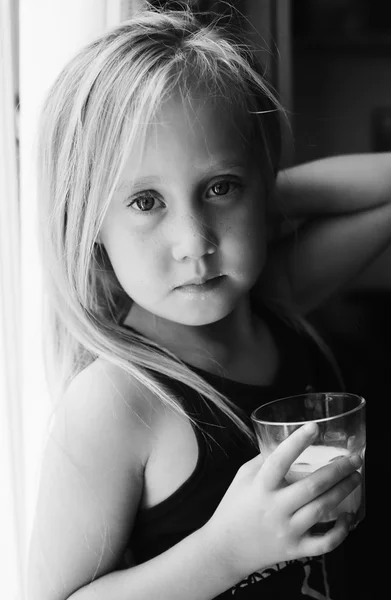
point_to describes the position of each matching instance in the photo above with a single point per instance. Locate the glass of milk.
(341, 432)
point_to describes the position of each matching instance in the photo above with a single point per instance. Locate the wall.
(334, 95)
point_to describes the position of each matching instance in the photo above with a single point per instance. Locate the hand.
(262, 520)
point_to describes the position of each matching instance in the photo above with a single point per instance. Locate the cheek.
(247, 229)
(128, 255)
(248, 245)
(137, 264)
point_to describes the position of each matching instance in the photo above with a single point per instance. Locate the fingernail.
(356, 460)
(311, 429)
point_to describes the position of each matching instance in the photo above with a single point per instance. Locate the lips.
(202, 286)
(198, 281)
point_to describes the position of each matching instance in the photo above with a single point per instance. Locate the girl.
(158, 152)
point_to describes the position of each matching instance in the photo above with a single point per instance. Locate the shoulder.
(91, 481)
(105, 402)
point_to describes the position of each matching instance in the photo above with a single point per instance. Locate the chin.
(197, 321)
(198, 318)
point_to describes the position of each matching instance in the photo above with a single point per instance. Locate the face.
(185, 231)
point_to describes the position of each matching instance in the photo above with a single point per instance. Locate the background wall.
(341, 77)
(341, 87)
(335, 97)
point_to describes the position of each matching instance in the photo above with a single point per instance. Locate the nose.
(192, 238)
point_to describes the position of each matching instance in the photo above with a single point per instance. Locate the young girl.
(166, 287)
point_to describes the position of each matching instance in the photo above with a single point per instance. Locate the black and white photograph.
(195, 299)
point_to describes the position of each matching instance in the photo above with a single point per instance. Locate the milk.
(312, 459)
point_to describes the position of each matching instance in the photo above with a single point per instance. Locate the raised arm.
(335, 185)
(340, 214)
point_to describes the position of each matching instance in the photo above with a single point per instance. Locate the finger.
(315, 545)
(317, 483)
(252, 466)
(318, 509)
(278, 463)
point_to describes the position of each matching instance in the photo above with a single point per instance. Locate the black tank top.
(222, 449)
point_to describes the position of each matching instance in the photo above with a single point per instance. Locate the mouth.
(201, 284)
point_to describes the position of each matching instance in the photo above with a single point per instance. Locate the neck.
(220, 342)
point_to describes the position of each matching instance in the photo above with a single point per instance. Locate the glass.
(341, 432)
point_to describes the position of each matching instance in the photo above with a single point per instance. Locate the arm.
(335, 185)
(343, 207)
(191, 569)
(93, 459)
(89, 495)
(90, 489)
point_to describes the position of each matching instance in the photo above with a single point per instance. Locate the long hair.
(97, 109)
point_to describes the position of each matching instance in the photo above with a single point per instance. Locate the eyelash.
(146, 195)
(149, 194)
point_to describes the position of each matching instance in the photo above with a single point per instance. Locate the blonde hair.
(100, 104)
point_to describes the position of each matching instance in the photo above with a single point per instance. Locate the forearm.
(190, 570)
(335, 185)
(325, 254)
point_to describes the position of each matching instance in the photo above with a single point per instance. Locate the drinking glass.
(340, 418)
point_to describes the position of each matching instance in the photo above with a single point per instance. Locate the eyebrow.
(229, 164)
(143, 182)
(139, 183)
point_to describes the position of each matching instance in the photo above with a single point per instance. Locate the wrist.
(220, 555)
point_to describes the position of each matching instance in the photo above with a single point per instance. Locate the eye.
(145, 203)
(223, 187)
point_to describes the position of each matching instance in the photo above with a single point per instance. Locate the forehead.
(194, 133)
(208, 119)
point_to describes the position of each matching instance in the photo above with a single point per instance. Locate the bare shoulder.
(109, 382)
(103, 403)
(91, 481)
(104, 392)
